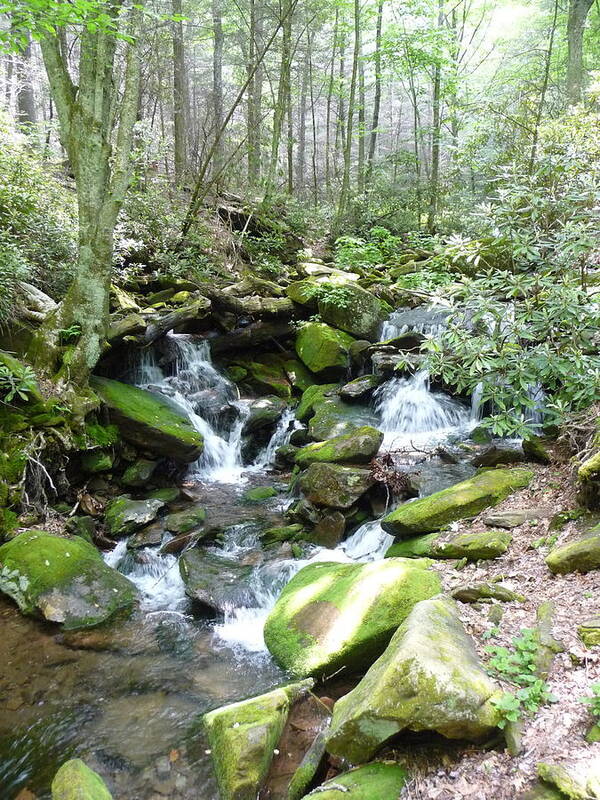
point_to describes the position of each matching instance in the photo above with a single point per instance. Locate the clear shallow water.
(129, 698)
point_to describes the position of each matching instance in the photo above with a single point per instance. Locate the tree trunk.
(88, 113)
(361, 129)
(179, 97)
(345, 190)
(26, 111)
(436, 135)
(377, 97)
(544, 90)
(217, 83)
(251, 119)
(329, 106)
(283, 94)
(578, 11)
(301, 151)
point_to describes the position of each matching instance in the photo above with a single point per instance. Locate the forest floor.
(556, 732)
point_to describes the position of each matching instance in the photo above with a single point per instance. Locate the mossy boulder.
(63, 580)
(352, 309)
(259, 493)
(360, 389)
(334, 417)
(377, 781)
(76, 781)
(124, 516)
(139, 473)
(267, 373)
(536, 449)
(333, 615)
(588, 476)
(242, 737)
(472, 546)
(582, 555)
(324, 350)
(150, 421)
(284, 533)
(485, 592)
(95, 461)
(580, 783)
(358, 447)
(428, 679)
(186, 520)
(334, 486)
(217, 584)
(463, 500)
(311, 398)
(263, 413)
(589, 632)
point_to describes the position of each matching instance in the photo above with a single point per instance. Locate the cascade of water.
(285, 427)
(428, 321)
(208, 397)
(407, 406)
(369, 543)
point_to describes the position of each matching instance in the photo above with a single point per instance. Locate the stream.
(129, 698)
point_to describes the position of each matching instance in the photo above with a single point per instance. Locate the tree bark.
(26, 111)
(544, 90)
(217, 82)
(345, 190)
(179, 97)
(283, 94)
(434, 184)
(88, 114)
(377, 96)
(578, 11)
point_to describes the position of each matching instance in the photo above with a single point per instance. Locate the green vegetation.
(519, 667)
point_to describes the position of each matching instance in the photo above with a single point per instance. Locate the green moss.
(150, 420)
(97, 461)
(259, 493)
(472, 546)
(124, 516)
(286, 533)
(359, 446)
(311, 397)
(334, 486)
(324, 350)
(76, 781)
(243, 736)
(333, 615)
(590, 469)
(66, 580)
(465, 499)
(184, 521)
(375, 781)
(589, 632)
(582, 555)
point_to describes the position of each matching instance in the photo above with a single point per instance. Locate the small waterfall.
(210, 400)
(369, 543)
(406, 405)
(285, 427)
(428, 321)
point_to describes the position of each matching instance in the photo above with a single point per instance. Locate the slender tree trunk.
(26, 111)
(329, 107)
(345, 190)
(179, 96)
(301, 150)
(377, 96)
(253, 136)
(578, 12)
(217, 89)
(283, 94)
(544, 90)
(290, 145)
(436, 135)
(315, 182)
(361, 129)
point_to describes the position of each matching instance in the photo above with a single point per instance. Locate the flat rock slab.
(334, 486)
(357, 447)
(219, 584)
(472, 546)
(582, 555)
(375, 781)
(512, 519)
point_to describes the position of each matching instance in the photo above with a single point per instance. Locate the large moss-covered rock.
(334, 417)
(428, 679)
(263, 413)
(139, 473)
(334, 615)
(311, 398)
(324, 350)
(357, 447)
(63, 580)
(352, 309)
(334, 486)
(465, 499)
(187, 520)
(377, 781)
(360, 389)
(243, 736)
(582, 555)
(581, 782)
(76, 781)
(150, 421)
(472, 546)
(124, 516)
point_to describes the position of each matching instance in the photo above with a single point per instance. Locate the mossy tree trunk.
(97, 118)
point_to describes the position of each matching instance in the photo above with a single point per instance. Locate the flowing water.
(129, 698)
